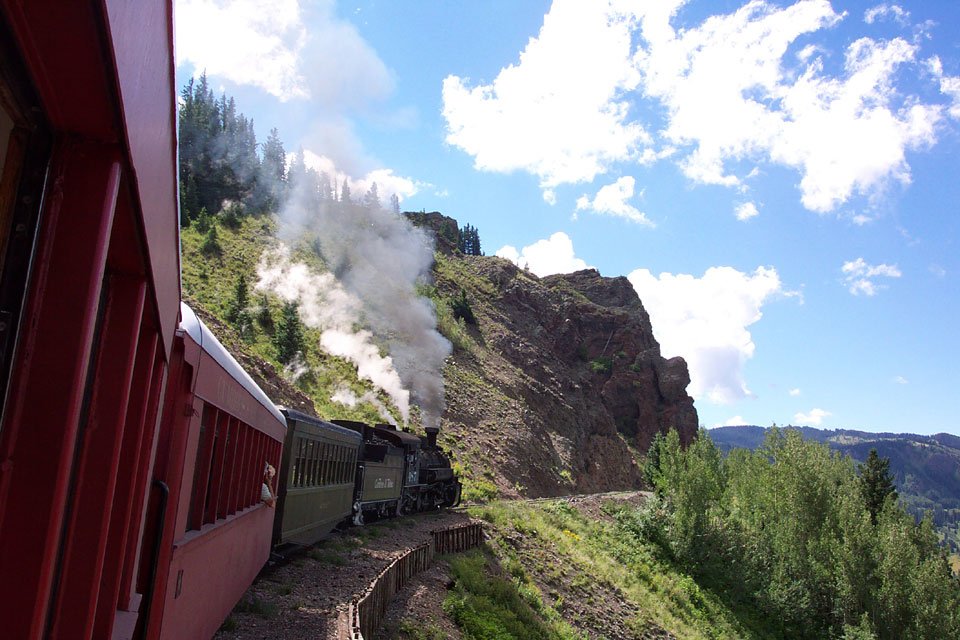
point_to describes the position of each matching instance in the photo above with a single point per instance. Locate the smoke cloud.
(325, 305)
(366, 305)
(347, 397)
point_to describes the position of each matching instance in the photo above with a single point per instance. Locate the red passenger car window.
(25, 144)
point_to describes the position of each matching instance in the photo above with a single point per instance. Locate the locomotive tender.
(132, 445)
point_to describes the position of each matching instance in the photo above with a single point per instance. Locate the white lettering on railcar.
(383, 483)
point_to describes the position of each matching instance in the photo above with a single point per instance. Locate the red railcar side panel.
(130, 99)
(40, 429)
(210, 570)
(145, 73)
(85, 544)
(168, 468)
(62, 44)
(213, 559)
(124, 530)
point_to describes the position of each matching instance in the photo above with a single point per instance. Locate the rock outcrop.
(561, 386)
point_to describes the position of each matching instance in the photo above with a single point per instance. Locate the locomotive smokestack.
(432, 437)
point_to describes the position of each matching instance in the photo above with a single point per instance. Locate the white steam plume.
(376, 257)
(327, 306)
(343, 395)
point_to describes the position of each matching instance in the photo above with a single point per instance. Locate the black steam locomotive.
(342, 471)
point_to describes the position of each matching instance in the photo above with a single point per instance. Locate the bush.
(462, 310)
(211, 243)
(601, 365)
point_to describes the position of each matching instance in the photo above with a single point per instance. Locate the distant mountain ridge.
(926, 468)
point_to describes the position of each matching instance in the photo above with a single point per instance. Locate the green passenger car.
(315, 489)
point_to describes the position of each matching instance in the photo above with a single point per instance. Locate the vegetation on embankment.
(591, 570)
(801, 538)
(781, 543)
(221, 280)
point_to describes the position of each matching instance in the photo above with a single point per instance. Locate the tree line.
(223, 165)
(816, 544)
(226, 174)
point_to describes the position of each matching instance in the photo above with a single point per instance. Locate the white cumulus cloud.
(559, 112)
(746, 211)
(266, 44)
(814, 418)
(612, 199)
(250, 42)
(545, 257)
(731, 96)
(794, 392)
(949, 85)
(886, 12)
(706, 320)
(732, 89)
(860, 277)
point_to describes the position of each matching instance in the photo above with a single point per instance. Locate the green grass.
(327, 556)
(476, 488)
(417, 630)
(612, 554)
(209, 281)
(486, 604)
(461, 274)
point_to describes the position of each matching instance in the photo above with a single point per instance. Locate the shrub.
(462, 310)
(601, 365)
(211, 243)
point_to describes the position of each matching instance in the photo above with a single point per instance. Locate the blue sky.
(778, 180)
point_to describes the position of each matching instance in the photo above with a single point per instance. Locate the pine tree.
(469, 241)
(876, 483)
(371, 199)
(273, 173)
(297, 173)
(211, 243)
(288, 338)
(264, 317)
(274, 158)
(461, 308)
(238, 312)
(217, 151)
(326, 190)
(395, 203)
(240, 299)
(345, 191)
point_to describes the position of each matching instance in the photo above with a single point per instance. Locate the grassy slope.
(581, 574)
(209, 281)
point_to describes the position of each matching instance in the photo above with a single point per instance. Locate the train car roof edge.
(306, 417)
(209, 343)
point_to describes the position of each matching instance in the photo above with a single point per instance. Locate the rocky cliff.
(559, 387)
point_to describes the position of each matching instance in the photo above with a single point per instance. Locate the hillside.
(557, 386)
(926, 469)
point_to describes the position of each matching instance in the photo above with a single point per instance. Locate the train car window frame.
(24, 163)
(314, 452)
(298, 478)
(325, 472)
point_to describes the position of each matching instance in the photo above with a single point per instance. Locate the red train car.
(124, 441)
(217, 536)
